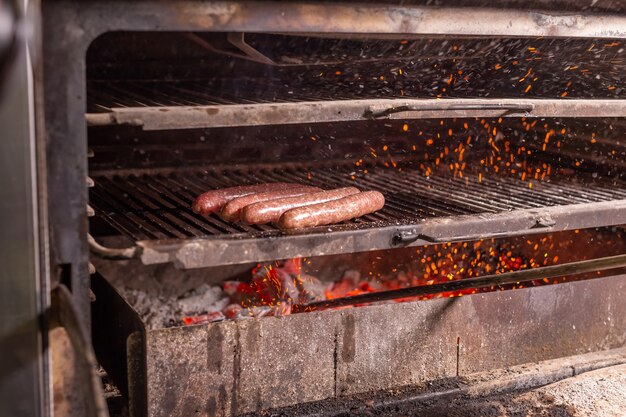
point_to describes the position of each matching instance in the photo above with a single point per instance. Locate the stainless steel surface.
(154, 210)
(24, 379)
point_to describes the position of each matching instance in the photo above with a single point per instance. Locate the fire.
(274, 287)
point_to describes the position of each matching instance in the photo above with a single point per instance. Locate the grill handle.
(112, 253)
(401, 238)
(508, 108)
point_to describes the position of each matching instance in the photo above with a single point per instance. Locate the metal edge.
(197, 253)
(301, 17)
(115, 323)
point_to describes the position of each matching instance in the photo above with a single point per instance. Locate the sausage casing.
(232, 210)
(213, 200)
(334, 211)
(270, 211)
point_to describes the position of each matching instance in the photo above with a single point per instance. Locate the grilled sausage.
(232, 210)
(270, 211)
(212, 201)
(332, 211)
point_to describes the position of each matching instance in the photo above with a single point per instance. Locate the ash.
(158, 311)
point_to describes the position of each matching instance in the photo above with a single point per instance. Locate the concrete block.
(284, 360)
(392, 345)
(503, 329)
(190, 370)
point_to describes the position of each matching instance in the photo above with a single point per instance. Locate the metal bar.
(188, 117)
(516, 277)
(337, 239)
(374, 19)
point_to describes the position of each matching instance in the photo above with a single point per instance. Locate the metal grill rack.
(154, 210)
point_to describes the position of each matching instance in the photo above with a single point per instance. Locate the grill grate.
(156, 206)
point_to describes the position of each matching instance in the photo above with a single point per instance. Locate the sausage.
(212, 201)
(270, 211)
(332, 211)
(232, 210)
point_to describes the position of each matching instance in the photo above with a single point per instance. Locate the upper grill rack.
(154, 209)
(440, 78)
(205, 104)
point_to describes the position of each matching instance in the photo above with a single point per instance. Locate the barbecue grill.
(508, 134)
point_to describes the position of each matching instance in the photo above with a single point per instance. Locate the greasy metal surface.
(154, 209)
(302, 17)
(203, 116)
(224, 368)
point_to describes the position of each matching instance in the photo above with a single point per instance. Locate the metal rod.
(173, 116)
(573, 268)
(112, 253)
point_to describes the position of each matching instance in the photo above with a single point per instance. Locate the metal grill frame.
(69, 28)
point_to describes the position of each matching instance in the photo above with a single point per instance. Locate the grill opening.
(167, 313)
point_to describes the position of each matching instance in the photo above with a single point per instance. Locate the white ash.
(202, 298)
(159, 311)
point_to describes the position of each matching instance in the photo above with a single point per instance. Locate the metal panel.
(23, 363)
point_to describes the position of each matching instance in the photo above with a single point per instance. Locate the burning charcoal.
(248, 312)
(259, 311)
(292, 266)
(232, 310)
(232, 287)
(341, 288)
(212, 317)
(284, 309)
(237, 290)
(274, 286)
(370, 286)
